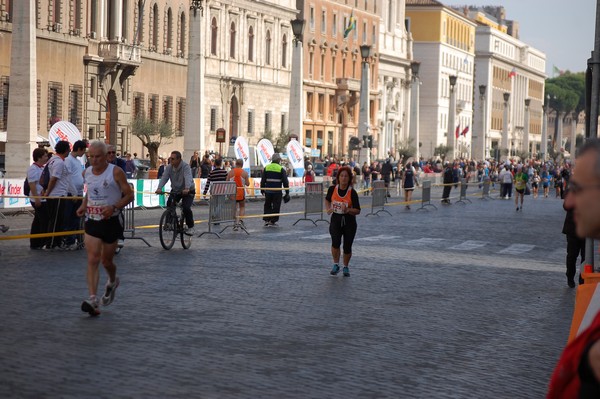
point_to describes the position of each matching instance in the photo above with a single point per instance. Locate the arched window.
(56, 15)
(76, 14)
(182, 33)
(169, 44)
(284, 45)
(232, 38)
(251, 44)
(268, 48)
(213, 36)
(154, 28)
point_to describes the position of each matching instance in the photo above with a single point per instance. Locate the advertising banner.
(265, 151)
(63, 131)
(295, 154)
(13, 187)
(242, 152)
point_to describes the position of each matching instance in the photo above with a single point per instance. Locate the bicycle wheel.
(167, 230)
(186, 240)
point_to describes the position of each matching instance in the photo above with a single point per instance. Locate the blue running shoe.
(335, 270)
(346, 271)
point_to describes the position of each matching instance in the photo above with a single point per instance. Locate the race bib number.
(338, 207)
(94, 210)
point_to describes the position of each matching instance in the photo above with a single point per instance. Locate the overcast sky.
(564, 30)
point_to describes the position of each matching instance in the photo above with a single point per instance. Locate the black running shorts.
(107, 230)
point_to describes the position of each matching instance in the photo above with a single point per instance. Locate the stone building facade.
(395, 56)
(102, 62)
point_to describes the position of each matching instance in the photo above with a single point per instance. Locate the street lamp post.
(483, 144)
(526, 128)
(296, 94)
(544, 143)
(414, 110)
(450, 139)
(193, 138)
(505, 145)
(363, 114)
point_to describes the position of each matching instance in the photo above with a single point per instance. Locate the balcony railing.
(114, 51)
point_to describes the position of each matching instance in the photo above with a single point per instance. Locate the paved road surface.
(463, 302)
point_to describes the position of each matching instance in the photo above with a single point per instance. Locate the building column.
(117, 20)
(101, 20)
(22, 101)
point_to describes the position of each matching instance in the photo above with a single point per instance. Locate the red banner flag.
(457, 131)
(465, 131)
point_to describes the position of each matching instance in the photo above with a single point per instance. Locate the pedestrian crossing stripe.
(516, 249)
(470, 244)
(377, 238)
(513, 249)
(426, 241)
(316, 237)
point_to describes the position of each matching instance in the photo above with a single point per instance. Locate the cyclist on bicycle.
(182, 187)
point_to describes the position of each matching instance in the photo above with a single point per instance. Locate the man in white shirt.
(75, 168)
(506, 180)
(58, 187)
(39, 224)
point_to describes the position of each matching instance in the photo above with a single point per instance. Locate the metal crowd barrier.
(379, 198)
(463, 192)
(313, 202)
(426, 196)
(485, 193)
(129, 222)
(222, 206)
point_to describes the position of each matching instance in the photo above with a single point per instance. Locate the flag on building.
(513, 73)
(351, 25)
(457, 131)
(556, 71)
(465, 131)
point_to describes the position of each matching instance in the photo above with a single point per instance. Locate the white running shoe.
(91, 306)
(109, 292)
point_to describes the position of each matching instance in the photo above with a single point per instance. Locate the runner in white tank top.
(107, 193)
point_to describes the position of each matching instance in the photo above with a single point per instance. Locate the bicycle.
(172, 224)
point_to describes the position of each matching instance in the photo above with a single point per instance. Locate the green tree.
(281, 141)
(566, 94)
(442, 151)
(406, 149)
(152, 135)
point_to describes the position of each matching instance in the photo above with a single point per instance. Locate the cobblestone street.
(468, 301)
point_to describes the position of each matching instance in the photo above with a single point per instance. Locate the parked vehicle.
(319, 168)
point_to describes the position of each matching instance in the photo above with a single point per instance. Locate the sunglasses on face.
(111, 152)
